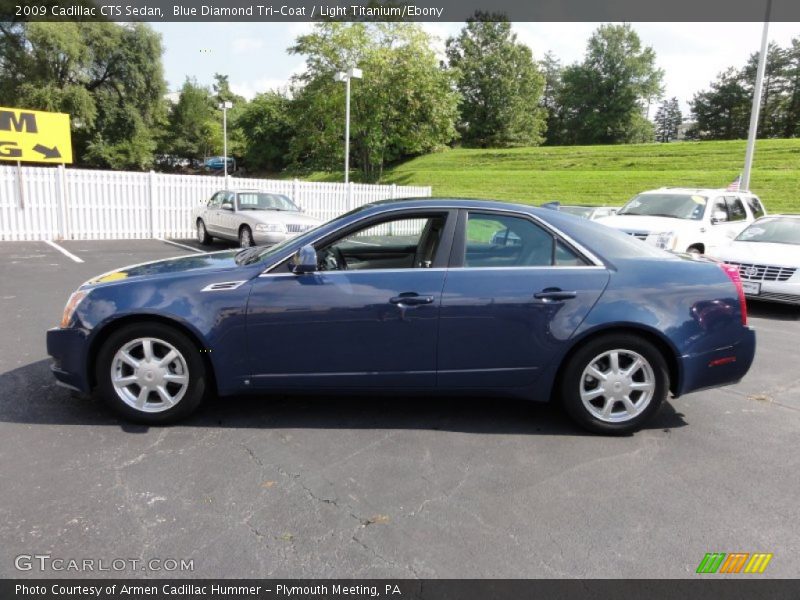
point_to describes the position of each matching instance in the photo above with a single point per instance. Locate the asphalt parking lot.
(375, 487)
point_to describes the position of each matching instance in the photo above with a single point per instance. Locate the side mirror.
(227, 206)
(304, 260)
(719, 216)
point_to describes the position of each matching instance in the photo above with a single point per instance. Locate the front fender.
(215, 319)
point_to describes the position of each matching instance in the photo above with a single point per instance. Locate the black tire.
(246, 237)
(694, 250)
(573, 378)
(202, 233)
(195, 389)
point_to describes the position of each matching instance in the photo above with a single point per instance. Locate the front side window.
(403, 243)
(736, 210)
(216, 200)
(719, 210)
(227, 200)
(501, 241)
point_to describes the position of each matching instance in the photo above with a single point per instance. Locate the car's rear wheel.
(202, 233)
(246, 237)
(150, 373)
(614, 383)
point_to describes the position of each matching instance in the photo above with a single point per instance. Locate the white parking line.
(180, 245)
(63, 251)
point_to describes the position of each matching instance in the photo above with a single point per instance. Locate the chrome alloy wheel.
(149, 375)
(617, 386)
(246, 238)
(201, 232)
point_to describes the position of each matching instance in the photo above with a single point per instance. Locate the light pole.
(225, 106)
(346, 76)
(751, 136)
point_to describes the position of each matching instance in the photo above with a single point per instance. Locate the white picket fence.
(41, 203)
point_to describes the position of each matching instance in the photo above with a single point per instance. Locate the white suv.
(687, 220)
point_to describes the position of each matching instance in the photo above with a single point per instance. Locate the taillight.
(732, 271)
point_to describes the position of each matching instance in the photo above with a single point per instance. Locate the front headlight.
(72, 305)
(271, 228)
(664, 240)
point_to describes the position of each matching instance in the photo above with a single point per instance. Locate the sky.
(254, 56)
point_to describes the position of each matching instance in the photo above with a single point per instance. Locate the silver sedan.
(250, 217)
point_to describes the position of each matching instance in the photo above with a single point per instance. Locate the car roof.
(585, 206)
(242, 190)
(451, 202)
(561, 220)
(687, 190)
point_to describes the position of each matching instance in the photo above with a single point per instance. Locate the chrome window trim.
(439, 269)
(597, 263)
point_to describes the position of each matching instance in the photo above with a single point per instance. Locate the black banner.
(733, 588)
(401, 10)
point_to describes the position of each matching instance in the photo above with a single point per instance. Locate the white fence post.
(394, 191)
(61, 199)
(151, 198)
(350, 196)
(295, 189)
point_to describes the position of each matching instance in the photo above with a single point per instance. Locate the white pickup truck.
(686, 219)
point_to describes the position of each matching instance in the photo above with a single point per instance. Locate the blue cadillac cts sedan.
(414, 297)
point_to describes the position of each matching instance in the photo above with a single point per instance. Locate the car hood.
(762, 253)
(279, 216)
(196, 263)
(649, 224)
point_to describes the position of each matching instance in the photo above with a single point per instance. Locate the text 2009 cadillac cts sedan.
(416, 297)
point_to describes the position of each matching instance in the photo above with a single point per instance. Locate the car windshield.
(580, 211)
(676, 206)
(264, 201)
(774, 230)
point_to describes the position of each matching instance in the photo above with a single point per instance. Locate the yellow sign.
(34, 136)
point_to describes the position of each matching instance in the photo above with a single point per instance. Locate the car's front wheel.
(614, 383)
(150, 373)
(246, 237)
(202, 233)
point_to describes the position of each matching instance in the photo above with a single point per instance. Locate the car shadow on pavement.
(773, 310)
(30, 396)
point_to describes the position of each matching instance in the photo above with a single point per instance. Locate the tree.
(667, 121)
(771, 117)
(723, 111)
(551, 68)
(265, 125)
(403, 106)
(791, 125)
(107, 76)
(195, 124)
(499, 82)
(602, 98)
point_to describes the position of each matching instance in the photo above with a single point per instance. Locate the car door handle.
(411, 299)
(553, 294)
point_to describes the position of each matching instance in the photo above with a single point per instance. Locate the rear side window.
(502, 241)
(755, 206)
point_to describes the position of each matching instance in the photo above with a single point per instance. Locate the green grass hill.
(603, 174)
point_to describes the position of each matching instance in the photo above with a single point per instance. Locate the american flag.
(733, 186)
